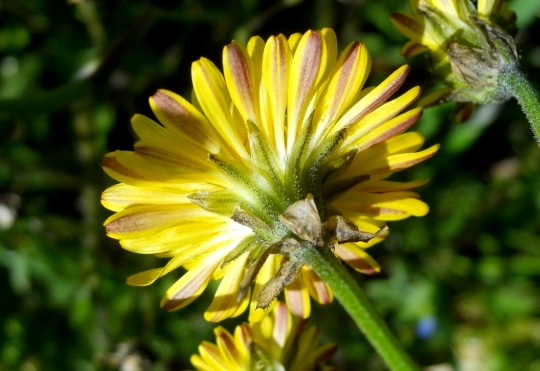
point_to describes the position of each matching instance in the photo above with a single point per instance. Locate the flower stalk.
(515, 83)
(355, 302)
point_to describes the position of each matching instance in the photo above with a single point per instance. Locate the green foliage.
(459, 286)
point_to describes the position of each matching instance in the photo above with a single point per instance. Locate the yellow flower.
(216, 186)
(469, 48)
(277, 342)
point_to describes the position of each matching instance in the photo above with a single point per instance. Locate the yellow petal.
(120, 196)
(144, 278)
(227, 237)
(243, 337)
(136, 170)
(348, 78)
(190, 286)
(148, 277)
(388, 129)
(310, 64)
(380, 186)
(141, 220)
(374, 98)
(297, 298)
(276, 68)
(267, 271)
(374, 158)
(211, 91)
(316, 287)
(255, 50)
(403, 161)
(294, 40)
(239, 76)
(156, 166)
(389, 156)
(229, 350)
(418, 31)
(282, 324)
(385, 206)
(412, 48)
(185, 235)
(434, 97)
(191, 254)
(407, 25)
(357, 258)
(485, 7)
(209, 359)
(376, 124)
(226, 299)
(179, 116)
(331, 46)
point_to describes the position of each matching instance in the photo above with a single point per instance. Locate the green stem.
(355, 302)
(519, 87)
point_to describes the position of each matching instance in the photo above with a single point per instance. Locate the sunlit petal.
(227, 298)
(351, 72)
(275, 71)
(215, 100)
(191, 284)
(241, 83)
(374, 98)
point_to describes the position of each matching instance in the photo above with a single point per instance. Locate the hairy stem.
(355, 302)
(519, 87)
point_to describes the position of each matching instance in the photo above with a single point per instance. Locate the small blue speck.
(426, 327)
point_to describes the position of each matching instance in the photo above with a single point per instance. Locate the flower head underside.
(216, 185)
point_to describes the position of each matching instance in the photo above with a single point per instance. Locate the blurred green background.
(459, 287)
